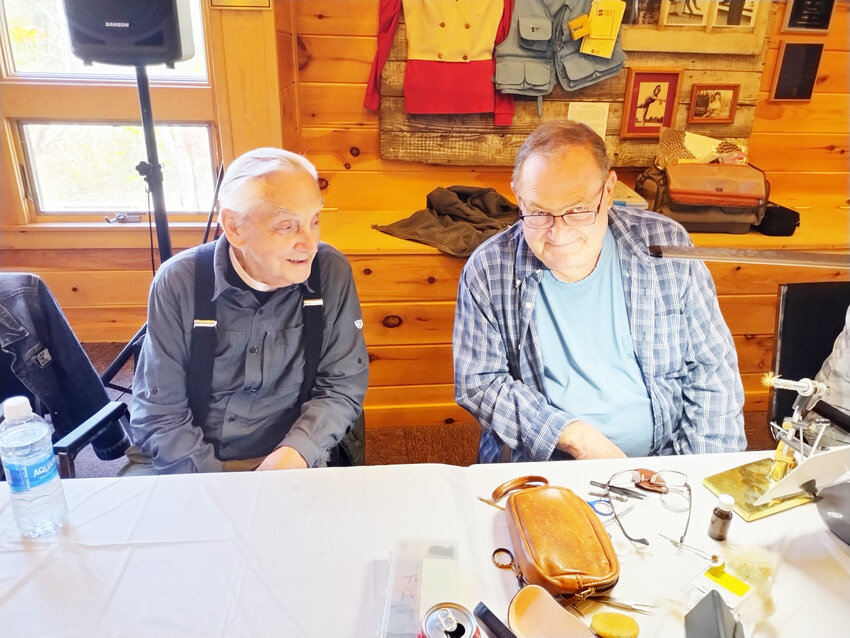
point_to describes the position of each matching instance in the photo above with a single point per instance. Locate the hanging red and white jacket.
(450, 63)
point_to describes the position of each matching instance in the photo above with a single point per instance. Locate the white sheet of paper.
(594, 114)
(825, 468)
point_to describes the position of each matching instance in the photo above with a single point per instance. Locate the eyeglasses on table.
(671, 485)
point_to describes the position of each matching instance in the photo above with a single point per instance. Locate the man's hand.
(583, 441)
(283, 458)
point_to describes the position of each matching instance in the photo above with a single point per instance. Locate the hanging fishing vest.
(538, 49)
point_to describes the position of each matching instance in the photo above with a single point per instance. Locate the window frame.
(27, 97)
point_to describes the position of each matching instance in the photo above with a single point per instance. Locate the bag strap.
(518, 483)
(204, 335)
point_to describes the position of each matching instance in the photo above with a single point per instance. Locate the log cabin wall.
(308, 96)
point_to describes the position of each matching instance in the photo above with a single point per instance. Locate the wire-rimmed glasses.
(672, 485)
(578, 216)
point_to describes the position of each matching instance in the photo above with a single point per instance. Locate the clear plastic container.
(26, 448)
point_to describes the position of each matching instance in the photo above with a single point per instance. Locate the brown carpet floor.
(455, 444)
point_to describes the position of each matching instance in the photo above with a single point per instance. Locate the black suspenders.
(204, 333)
(351, 450)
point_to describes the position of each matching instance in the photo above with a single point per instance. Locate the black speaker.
(130, 32)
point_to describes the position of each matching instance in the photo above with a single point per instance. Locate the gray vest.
(539, 48)
(524, 59)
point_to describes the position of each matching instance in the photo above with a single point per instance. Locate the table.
(304, 552)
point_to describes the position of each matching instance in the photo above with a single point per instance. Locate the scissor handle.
(602, 506)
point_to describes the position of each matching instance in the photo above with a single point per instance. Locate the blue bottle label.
(25, 477)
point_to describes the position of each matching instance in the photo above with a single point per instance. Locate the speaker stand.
(151, 170)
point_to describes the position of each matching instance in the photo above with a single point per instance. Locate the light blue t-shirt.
(589, 361)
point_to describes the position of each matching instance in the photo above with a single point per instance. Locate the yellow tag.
(728, 581)
(579, 27)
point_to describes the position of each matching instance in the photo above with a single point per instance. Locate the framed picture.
(796, 71)
(684, 13)
(713, 103)
(807, 16)
(736, 13)
(650, 102)
(642, 12)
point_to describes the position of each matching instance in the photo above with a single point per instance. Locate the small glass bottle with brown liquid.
(721, 517)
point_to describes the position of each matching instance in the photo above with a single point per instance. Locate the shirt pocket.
(283, 357)
(535, 33)
(669, 343)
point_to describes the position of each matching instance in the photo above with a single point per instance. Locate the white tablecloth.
(305, 553)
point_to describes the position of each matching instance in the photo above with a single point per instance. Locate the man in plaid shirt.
(570, 341)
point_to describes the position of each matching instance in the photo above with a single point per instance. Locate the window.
(76, 131)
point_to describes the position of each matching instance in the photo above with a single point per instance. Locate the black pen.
(625, 491)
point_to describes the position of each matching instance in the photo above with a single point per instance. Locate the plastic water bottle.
(26, 448)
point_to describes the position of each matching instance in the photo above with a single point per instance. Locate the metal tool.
(624, 491)
(690, 548)
(744, 255)
(621, 512)
(625, 603)
(608, 495)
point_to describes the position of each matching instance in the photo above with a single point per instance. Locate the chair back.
(809, 317)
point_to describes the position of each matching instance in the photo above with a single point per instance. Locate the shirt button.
(260, 311)
(466, 26)
(440, 56)
(443, 25)
(466, 57)
(231, 419)
(253, 349)
(528, 304)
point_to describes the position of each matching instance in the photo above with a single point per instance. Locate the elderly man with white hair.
(257, 415)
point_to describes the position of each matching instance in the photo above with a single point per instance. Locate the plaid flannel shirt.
(683, 346)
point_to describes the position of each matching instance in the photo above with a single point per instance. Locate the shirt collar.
(220, 258)
(244, 276)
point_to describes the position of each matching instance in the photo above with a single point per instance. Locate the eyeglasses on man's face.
(673, 487)
(576, 216)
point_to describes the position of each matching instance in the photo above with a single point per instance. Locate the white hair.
(254, 165)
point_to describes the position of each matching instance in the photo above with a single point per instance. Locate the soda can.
(448, 620)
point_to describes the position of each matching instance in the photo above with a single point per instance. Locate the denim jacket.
(49, 360)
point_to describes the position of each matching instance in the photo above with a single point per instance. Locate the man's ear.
(610, 183)
(231, 227)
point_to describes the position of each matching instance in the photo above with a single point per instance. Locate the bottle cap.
(16, 407)
(726, 502)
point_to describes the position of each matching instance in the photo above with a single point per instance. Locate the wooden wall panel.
(101, 275)
(332, 17)
(403, 365)
(333, 58)
(252, 98)
(827, 112)
(818, 152)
